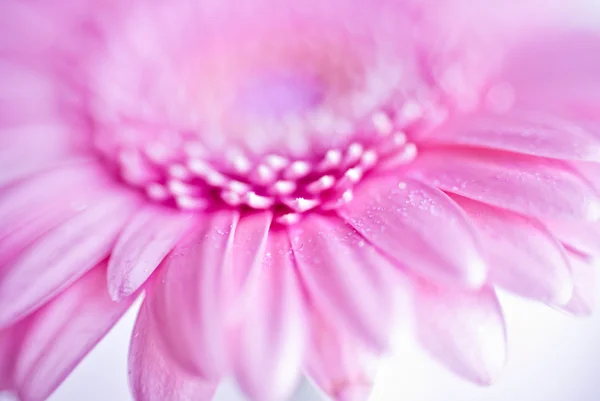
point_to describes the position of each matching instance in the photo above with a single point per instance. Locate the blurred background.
(553, 357)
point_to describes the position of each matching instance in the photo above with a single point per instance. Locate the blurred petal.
(338, 364)
(463, 330)
(63, 332)
(397, 216)
(61, 256)
(527, 133)
(153, 376)
(558, 72)
(583, 270)
(541, 188)
(143, 244)
(10, 344)
(523, 256)
(272, 336)
(187, 302)
(347, 279)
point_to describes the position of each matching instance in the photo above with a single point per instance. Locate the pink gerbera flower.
(275, 176)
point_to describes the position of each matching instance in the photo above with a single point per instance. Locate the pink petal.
(61, 256)
(271, 338)
(583, 270)
(26, 96)
(347, 279)
(338, 364)
(420, 227)
(249, 244)
(143, 244)
(28, 212)
(153, 376)
(523, 256)
(583, 236)
(36, 195)
(10, 343)
(533, 134)
(463, 330)
(29, 149)
(591, 171)
(537, 187)
(63, 332)
(569, 84)
(188, 300)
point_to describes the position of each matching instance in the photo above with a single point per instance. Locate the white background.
(552, 358)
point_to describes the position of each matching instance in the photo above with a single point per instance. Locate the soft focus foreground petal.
(349, 282)
(527, 133)
(523, 256)
(420, 227)
(463, 330)
(187, 303)
(153, 376)
(146, 240)
(62, 255)
(537, 187)
(583, 270)
(339, 364)
(61, 333)
(272, 337)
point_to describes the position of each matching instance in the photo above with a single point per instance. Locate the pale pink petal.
(347, 279)
(32, 208)
(29, 149)
(420, 227)
(591, 171)
(583, 236)
(464, 330)
(523, 256)
(527, 133)
(146, 240)
(188, 303)
(153, 376)
(339, 364)
(541, 188)
(271, 338)
(10, 344)
(583, 270)
(28, 197)
(26, 97)
(558, 72)
(247, 252)
(62, 255)
(62, 333)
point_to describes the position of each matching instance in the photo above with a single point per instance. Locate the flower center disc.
(221, 106)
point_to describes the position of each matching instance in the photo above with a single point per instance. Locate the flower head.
(276, 176)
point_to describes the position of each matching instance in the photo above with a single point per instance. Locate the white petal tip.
(354, 393)
(477, 274)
